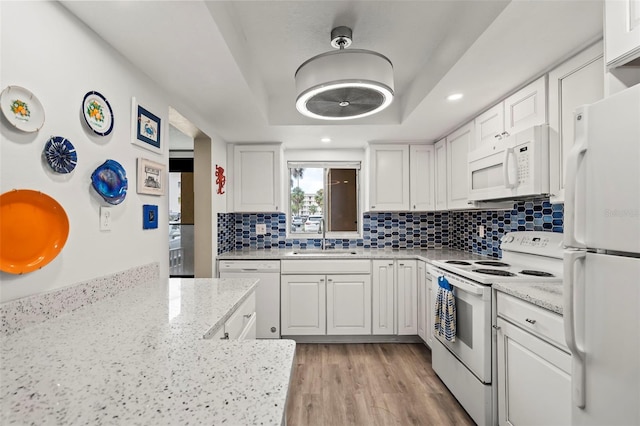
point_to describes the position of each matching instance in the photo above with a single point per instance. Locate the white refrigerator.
(602, 261)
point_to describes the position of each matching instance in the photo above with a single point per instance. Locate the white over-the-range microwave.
(515, 167)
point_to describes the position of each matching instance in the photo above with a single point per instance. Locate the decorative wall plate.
(60, 154)
(33, 230)
(22, 109)
(110, 182)
(97, 113)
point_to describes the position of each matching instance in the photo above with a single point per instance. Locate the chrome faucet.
(321, 229)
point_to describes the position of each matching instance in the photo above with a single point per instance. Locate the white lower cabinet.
(407, 285)
(395, 297)
(534, 376)
(241, 325)
(425, 307)
(383, 301)
(348, 304)
(325, 297)
(303, 305)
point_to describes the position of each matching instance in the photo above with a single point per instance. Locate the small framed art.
(152, 177)
(145, 127)
(149, 216)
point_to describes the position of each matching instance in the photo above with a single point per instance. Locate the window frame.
(357, 165)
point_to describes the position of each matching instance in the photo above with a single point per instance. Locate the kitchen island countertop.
(140, 358)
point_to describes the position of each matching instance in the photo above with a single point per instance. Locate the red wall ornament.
(221, 179)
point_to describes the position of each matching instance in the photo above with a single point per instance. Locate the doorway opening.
(191, 243)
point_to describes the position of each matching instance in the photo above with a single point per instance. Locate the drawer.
(535, 319)
(241, 317)
(326, 266)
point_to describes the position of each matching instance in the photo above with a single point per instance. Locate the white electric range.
(465, 365)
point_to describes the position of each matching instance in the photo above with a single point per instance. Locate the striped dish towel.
(445, 311)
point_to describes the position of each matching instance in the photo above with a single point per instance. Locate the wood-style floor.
(369, 384)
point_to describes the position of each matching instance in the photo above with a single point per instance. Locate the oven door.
(472, 345)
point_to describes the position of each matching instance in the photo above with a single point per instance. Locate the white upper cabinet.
(458, 144)
(422, 177)
(527, 107)
(621, 31)
(489, 128)
(523, 109)
(401, 177)
(578, 81)
(389, 177)
(257, 178)
(440, 174)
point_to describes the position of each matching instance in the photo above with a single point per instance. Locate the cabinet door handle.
(495, 327)
(498, 137)
(373, 207)
(530, 321)
(330, 280)
(505, 134)
(247, 316)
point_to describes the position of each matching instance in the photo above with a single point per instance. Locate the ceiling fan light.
(344, 84)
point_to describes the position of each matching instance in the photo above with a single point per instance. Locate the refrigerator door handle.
(573, 292)
(571, 210)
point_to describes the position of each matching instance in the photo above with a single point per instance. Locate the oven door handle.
(468, 288)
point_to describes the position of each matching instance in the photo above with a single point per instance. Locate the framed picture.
(145, 128)
(152, 177)
(149, 216)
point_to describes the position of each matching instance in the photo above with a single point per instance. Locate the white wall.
(48, 51)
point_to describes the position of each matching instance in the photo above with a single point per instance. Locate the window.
(323, 194)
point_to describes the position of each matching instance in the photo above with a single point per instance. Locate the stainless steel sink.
(327, 252)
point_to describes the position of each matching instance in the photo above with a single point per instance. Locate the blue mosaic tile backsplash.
(226, 232)
(236, 231)
(537, 215)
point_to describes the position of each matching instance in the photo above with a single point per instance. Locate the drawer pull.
(226, 336)
(247, 316)
(530, 321)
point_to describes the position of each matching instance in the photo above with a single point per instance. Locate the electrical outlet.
(481, 231)
(105, 218)
(261, 228)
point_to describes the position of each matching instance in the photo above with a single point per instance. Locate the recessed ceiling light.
(455, 97)
(325, 140)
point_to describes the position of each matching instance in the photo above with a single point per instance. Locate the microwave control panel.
(522, 155)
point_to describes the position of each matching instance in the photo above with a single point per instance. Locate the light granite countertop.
(357, 253)
(545, 295)
(140, 358)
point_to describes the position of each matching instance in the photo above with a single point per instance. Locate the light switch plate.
(481, 232)
(261, 228)
(105, 218)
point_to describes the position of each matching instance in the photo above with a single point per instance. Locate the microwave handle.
(575, 157)
(505, 168)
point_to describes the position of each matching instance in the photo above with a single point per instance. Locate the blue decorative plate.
(60, 154)
(110, 181)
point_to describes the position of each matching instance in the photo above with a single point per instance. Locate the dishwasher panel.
(267, 292)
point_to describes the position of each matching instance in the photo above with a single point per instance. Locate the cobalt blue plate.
(60, 154)
(110, 181)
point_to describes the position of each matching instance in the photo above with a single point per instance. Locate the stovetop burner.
(492, 263)
(458, 262)
(536, 273)
(495, 272)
